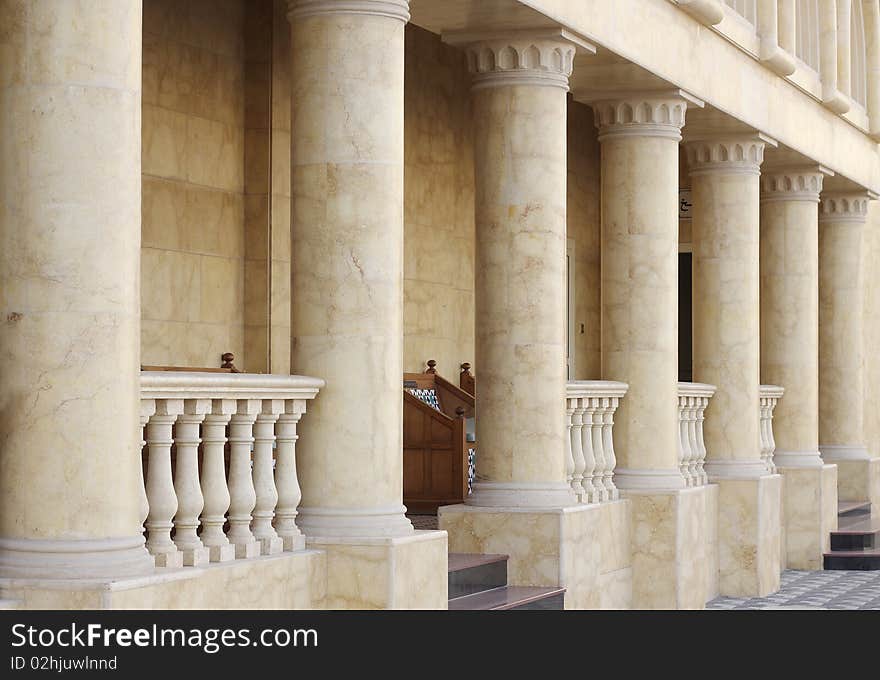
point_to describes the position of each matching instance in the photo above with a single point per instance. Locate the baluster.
(214, 488)
(609, 407)
(289, 494)
(577, 450)
(591, 487)
(186, 483)
(264, 478)
(601, 492)
(693, 439)
(569, 454)
(148, 408)
(160, 484)
(772, 437)
(765, 447)
(699, 469)
(684, 448)
(242, 495)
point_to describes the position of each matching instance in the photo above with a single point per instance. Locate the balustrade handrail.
(589, 448)
(220, 456)
(769, 396)
(197, 385)
(693, 399)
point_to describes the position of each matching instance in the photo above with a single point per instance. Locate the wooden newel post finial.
(459, 412)
(228, 358)
(466, 379)
(432, 366)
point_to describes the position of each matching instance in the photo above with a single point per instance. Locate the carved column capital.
(735, 154)
(540, 57)
(641, 115)
(839, 206)
(393, 9)
(791, 184)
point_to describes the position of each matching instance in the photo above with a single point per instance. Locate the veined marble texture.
(582, 548)
(859, 480)
(810, 507)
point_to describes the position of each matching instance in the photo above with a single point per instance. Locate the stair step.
(849, 508)
(852, 560)
(856, 533)
(511, 597)
(472, 573)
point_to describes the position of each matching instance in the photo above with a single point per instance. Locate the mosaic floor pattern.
(814, 590)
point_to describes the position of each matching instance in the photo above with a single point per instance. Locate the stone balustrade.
(770, 395)
(693, 398)
(243, 428)
(590, 460)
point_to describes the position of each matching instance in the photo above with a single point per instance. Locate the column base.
(674, 547)
(387, 521)
(70, 559)
(810, 513)
(749, 535)
(404, 572)
(520, 495)
(287, 581)
(859, 480)
(584, 548)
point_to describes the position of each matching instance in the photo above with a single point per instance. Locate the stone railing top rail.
(179, 385)
(595, 388)
(692, 389)
(771, 391)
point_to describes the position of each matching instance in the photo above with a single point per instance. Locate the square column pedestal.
(749, 535)
(582, 548)
(674, 547)
(401, 572)
(809, 503)
(859, 480)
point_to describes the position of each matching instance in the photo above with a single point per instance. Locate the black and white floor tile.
(814, 590)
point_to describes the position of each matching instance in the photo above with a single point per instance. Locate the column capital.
(641, 114)
(844, 206)
(531, 57)
(393, 9)
(730, 154)
(792, 184)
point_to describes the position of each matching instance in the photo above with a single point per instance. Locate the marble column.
(523, 505)
(790, 356)
(347, 74)
(725, 189)
(70, 204)
(842, 438)
(639, 137)
(520, 174)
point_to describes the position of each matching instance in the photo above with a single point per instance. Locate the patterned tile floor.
(423, 521)
(814, 590)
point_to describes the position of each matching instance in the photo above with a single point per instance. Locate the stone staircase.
(480, 582)
(855, 546)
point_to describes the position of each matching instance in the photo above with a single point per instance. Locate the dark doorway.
(685, 318)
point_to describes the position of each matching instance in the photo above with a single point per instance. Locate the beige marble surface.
(726, 325)
(841, 323)
(859, 480)
(287, 581)
(393, 573)
(581, 548)
(347, 313)
(789, 260)
(639, 179)
(672, 548)
(70, 94)
(749, 536)
(520, 171)
(810, 514)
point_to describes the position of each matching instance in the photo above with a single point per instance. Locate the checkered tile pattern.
(428, 396)
(472, 469)
(814, 590)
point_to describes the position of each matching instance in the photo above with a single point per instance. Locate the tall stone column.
(347, 294)
(790, 357)
(725, 189)
(70, 206)
(639, 135)
(842, 438)
(523, 506)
